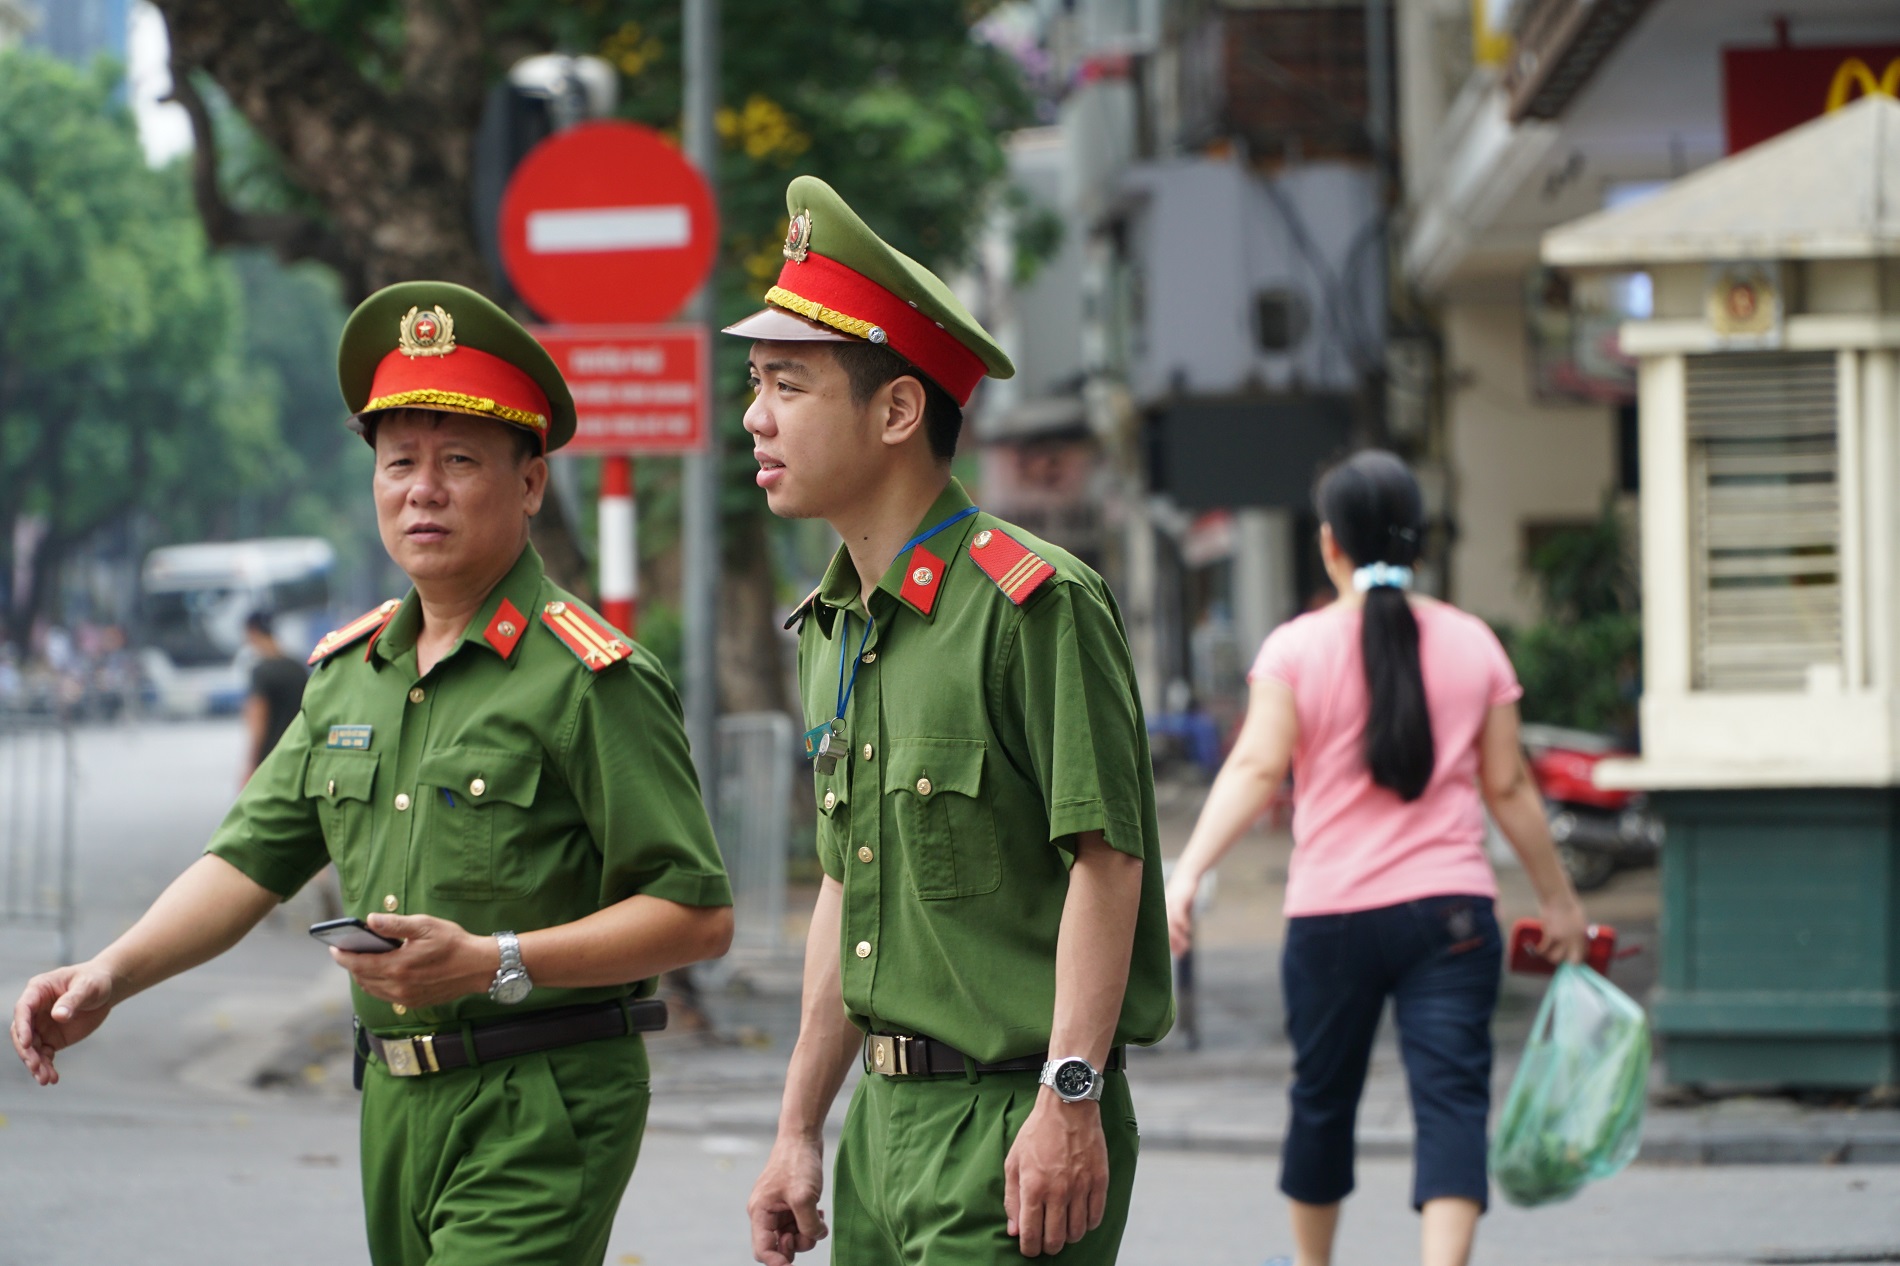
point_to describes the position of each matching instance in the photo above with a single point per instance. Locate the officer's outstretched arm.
(784, 1209)
(204, 912)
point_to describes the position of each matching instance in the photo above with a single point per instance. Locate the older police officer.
(990, 931)
(503, 782)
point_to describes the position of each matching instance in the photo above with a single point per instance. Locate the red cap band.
(466, 380)
(826, 291)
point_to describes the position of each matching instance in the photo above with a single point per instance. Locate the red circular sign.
(607, 223)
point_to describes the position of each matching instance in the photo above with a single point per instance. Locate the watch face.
(1073, 1079)
(513, 988)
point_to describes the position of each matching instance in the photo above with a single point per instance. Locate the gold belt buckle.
(411, 1056)
(890, 1056)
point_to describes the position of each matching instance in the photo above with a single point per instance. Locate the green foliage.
(119, 389)
(1579, 664)
(892, 103)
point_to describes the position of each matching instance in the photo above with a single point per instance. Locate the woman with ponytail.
(1398, 716)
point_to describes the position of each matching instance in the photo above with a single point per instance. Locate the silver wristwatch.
(1073, 1078)
(511, 978)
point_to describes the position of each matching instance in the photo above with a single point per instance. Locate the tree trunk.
(755, 657)
(390, 170)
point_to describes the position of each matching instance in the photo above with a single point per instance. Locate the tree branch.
(291, 235)
(376, 164)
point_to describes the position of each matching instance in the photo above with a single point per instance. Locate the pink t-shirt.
(1356, 845)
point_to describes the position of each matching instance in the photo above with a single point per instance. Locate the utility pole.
(699, 583)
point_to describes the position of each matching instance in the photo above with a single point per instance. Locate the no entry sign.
(637, 389)
(607, 223)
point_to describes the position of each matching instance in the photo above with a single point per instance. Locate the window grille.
(1765, 518)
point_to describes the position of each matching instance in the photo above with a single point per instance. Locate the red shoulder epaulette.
(594, 642)
(362, 626)
(1017, 570)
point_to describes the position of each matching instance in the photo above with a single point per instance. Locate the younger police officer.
(503, 782)
(990, 931)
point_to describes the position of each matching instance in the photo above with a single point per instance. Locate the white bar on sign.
(619, 548)
(608, 229)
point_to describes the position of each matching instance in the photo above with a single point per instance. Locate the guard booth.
(1769, 401)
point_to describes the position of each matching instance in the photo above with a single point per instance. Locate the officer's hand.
(786, 1219)
(1055, 1181)
(438, 961)
(1183, 886)
(55, 1010)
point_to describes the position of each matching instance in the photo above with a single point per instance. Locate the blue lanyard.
(847, 685)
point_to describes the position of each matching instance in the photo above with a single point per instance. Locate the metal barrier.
(36, 826)
(754, 824)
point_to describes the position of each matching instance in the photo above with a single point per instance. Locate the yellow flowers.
(762, 129)
(631, 49)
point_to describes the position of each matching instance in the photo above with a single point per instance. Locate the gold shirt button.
(864, 949)
(390, 903)
(864, 852)
(556, 608)
(870, 657)
(831, 801)
(982, 538)
(398, 1008)
(923, 786)
(477, 787)
(416, 695)
(402, 802)
(868, 751)
(331, 789)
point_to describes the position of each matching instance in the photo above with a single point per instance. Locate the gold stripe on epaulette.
(1025, 566)
(588, 633)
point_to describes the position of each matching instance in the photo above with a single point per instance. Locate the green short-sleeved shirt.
(982, 736)
(502, 791)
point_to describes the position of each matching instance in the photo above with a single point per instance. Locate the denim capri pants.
(1439, 959)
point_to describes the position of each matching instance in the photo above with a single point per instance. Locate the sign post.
(603, 227)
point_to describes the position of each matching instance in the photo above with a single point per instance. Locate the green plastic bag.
(1575, 1111)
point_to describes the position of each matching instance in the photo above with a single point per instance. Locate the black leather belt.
(897, 1055)
(423, 1053)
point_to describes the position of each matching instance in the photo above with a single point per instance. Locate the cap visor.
(776, 325)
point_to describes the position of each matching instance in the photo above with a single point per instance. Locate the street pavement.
(211, 1121)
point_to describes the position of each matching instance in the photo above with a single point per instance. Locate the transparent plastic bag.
(1575, 1111)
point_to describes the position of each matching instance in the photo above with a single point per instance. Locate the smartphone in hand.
(352, 935)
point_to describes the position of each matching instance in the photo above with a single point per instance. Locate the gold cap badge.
(430, 333)
(798, 238)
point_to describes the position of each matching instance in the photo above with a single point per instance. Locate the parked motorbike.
(1598, 831)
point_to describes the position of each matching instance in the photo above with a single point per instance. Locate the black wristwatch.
(1073, 1078)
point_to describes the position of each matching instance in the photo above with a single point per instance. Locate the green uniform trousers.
(919, 1173)
(521, 1162)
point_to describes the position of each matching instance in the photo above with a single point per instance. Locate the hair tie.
(1407, 534)
(1381, 576)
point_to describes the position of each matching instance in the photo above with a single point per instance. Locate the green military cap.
(841, 282)
(437, 345)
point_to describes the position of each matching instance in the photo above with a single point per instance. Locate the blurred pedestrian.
(990, 931)
(1398, 715)
(276, 693)
(503, 782)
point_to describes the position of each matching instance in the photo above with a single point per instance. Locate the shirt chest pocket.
(944, 825)
(833, 790)
(477, 822)
(342, 784)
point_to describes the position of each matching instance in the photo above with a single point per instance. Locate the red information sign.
(1766, 91)
(637, 388)
(607, 222)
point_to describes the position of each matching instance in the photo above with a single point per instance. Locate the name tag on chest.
(354, 738)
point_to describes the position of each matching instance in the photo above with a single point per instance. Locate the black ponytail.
(1373, 506)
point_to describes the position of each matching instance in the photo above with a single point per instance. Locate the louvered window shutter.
(1765, 514)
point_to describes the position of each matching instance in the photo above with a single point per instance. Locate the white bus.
(195, 600)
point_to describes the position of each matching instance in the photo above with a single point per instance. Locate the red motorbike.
(1598, 831)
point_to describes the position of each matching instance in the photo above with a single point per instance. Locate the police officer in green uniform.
(503, 783)
(990, 933)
